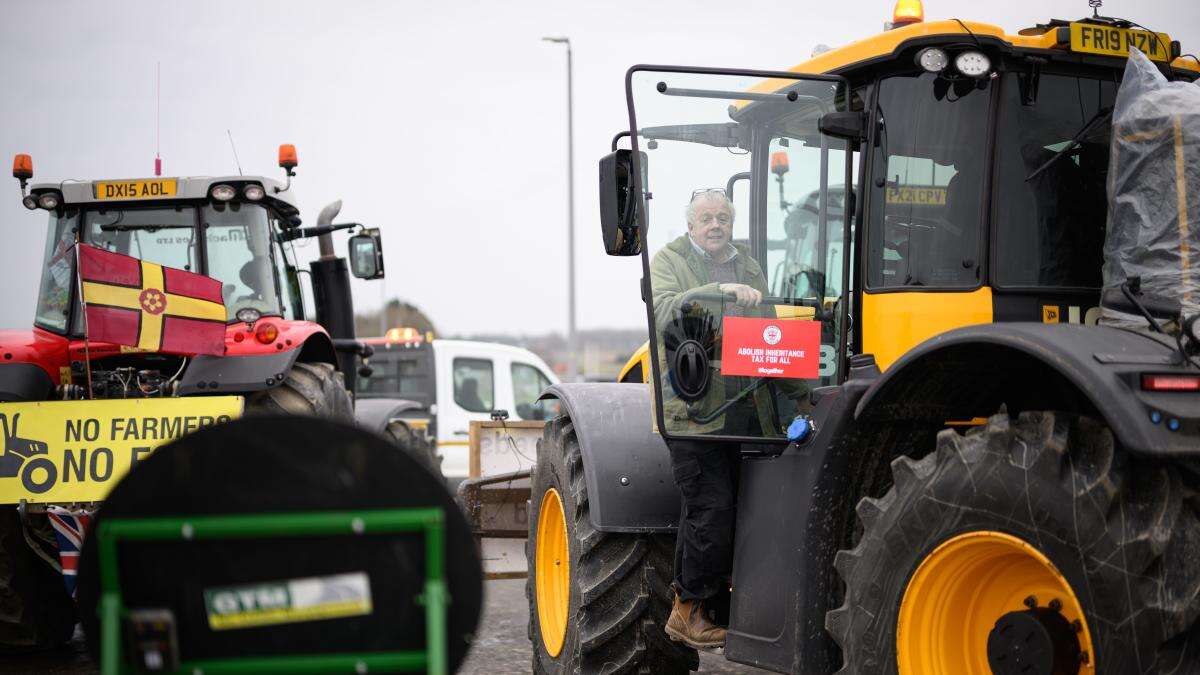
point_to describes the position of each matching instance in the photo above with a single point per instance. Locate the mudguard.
(970, 372)
(236, 374)
(627, 466)
(24, 382)
(375, 413)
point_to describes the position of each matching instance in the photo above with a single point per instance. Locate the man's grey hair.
(708, 196)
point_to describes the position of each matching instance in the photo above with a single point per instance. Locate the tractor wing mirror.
(366, 254)
(619, 214)
(850, 126)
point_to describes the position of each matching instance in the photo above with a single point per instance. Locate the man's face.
(712, 226)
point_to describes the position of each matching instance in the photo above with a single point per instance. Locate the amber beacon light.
(908, 11)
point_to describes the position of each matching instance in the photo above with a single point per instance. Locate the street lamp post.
(572, 347)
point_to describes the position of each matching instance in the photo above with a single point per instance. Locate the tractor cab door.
(742, 219)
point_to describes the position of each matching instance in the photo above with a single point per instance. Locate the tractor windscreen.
(929, 159)
(237, 246)
(58, 272)
(745, 215)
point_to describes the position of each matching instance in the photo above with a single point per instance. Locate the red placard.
(770, 347)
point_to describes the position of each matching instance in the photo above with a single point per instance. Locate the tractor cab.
(237, 229)
(934, 176)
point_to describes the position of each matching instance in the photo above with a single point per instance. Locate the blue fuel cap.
(799, 429)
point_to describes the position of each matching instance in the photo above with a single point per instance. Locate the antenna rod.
(157, 118)
(237, 162)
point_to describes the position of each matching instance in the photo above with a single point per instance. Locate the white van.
(439, 386)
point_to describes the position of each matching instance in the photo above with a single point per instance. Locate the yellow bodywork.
(883, 44)
(641, 357)
(961, 590)
(893, 323)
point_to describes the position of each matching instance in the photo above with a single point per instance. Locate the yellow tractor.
(993, 467)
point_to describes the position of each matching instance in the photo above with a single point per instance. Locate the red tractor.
(236, 229)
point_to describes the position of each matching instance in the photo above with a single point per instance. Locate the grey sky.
(442, 123)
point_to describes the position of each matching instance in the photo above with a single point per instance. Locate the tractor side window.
(474, 388)
(285, 271)
(927, 188)
(58, 273)
(1050, 229)
(238, 238)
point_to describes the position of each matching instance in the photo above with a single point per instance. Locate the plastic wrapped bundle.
(1154, 190)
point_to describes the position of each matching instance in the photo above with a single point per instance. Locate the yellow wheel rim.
(553, 570)
(959, 592)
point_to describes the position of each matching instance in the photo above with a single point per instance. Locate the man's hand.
(746, 295)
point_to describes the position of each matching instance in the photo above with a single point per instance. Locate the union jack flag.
(70, 529)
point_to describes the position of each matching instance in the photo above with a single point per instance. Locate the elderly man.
(693, 269)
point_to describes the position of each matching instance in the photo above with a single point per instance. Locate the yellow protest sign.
(76, 451)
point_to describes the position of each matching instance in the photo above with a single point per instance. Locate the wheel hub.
(1036, 641)
(973, 601)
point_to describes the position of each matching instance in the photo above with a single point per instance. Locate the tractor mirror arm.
(306, 232)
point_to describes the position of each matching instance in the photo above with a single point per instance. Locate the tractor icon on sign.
(23, 456)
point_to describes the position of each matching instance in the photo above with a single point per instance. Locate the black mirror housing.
(366, 254)
(619, 214)
(850, 126)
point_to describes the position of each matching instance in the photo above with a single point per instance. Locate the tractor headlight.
(933, 60)
(973, 63)
(223, 193)
(30, 202)
(253, 192)
(248, 315)
(48, 201)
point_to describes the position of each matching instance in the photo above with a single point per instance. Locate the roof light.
(402, 334)
(779, 163)
(933, 59)
(223, 193)
(48, 201)
(908, 11)
(30, 202)
(287, 157)
(22, 167)
(1171, 382)
(973, 63)
(253, 192)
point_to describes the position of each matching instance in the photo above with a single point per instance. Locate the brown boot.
(689, 624)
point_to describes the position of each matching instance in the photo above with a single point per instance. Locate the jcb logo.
(25, 457)
(1053, 314)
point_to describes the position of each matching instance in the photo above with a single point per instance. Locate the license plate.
(921, 196)
(76, 451)
(1109, 41)
(120, 190)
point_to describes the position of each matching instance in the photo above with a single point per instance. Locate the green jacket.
(676, 269)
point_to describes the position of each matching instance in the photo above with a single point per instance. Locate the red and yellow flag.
(151, 307)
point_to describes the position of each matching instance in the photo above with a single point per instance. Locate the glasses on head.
(704, 192)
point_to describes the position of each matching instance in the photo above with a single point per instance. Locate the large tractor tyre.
(598, 601)
(1030, 546)
(35, 610)
(416, 446)
(308, 389)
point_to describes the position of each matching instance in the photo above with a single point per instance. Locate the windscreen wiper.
(696, 417)
(151, 228)
(1101, 115)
